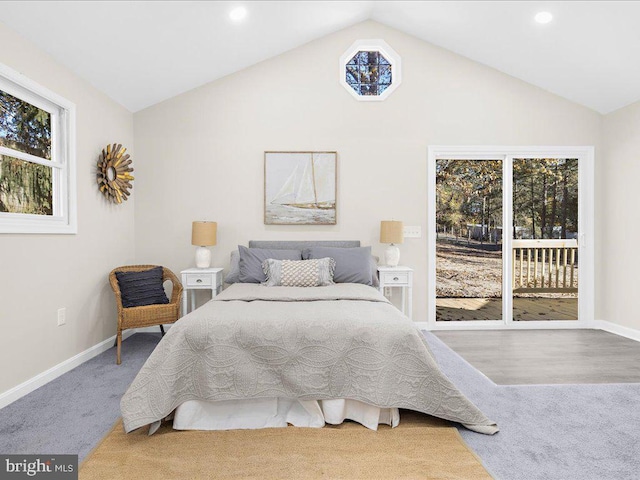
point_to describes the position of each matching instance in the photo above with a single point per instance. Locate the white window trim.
(586, 210)
(389, 53)
(63, 159)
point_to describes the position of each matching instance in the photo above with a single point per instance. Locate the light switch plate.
(413, 232)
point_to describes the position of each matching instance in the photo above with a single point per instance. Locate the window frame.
(383, 48)
(62, 163)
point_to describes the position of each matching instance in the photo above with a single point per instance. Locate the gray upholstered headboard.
(302, 244)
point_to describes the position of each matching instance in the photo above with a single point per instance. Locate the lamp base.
(392, 256)
(203, 257)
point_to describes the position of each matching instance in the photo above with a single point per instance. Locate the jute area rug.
(421, 447)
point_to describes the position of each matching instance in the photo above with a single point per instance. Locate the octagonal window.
(370, 70)
(369, 73)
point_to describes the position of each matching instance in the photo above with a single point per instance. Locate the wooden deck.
(524, 309)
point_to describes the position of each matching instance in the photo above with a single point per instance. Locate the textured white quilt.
(339, 341)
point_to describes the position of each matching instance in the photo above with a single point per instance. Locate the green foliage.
(545, 196)
(468, 192)
(24, 127)
(25, 187)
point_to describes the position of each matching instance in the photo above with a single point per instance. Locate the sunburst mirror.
(114, 173)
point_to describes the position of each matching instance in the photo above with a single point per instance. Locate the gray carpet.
(551, 432)
(558, 432)
(75, 411)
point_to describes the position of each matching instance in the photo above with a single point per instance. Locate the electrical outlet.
(62, 316)
(387, 291)
(413, 232)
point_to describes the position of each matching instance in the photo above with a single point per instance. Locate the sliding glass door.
(509, 235)
(545, 235)
(468, 240)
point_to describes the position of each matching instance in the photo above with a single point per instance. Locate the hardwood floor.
(527, 357)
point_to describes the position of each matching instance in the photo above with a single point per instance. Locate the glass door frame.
(586, 285)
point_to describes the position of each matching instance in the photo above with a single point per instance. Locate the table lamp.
(203, 234)
(391, 232)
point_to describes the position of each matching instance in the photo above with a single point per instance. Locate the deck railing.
(545, 266)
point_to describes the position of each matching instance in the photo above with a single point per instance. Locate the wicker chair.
(148, 315)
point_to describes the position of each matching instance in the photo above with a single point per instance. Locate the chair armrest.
(115, 286)
(176, 294)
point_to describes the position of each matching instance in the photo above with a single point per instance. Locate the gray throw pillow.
(251, 261)
(353, 265)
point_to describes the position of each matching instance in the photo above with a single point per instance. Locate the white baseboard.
(43, 378)
(610, 327)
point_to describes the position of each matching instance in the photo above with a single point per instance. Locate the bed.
(258, 356)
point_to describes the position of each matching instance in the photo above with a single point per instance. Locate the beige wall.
(41, 273)
(200, 155)
(620, 226)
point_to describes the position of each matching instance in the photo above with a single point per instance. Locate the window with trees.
(370, 70)
(37, 174)
(545, 198)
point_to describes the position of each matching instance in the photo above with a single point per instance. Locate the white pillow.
(299, 273)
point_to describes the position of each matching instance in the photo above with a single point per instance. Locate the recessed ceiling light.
(543, 17)
(238, 14)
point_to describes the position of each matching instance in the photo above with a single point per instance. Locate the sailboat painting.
(300, 188)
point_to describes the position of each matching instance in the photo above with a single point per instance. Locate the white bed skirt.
(278, 412)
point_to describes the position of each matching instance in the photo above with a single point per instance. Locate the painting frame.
(300, 187)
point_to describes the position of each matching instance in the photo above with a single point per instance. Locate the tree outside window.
(37, 158)
(25, 187)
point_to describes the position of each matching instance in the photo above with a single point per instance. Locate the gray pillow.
(234, 268)
(251, 261)
(353, 265)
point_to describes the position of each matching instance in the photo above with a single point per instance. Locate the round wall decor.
(114, 173)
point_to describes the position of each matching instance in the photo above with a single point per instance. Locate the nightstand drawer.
(198, 280)
(395, 278)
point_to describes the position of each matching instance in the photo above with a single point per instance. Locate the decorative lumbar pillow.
(299, 273)
(142, 288)
(353, 265)
(251, 261)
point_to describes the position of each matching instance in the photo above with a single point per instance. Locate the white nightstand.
(200, 279)
(401, 277)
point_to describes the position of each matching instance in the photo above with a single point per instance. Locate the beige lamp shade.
(391, 231)
(204, 234)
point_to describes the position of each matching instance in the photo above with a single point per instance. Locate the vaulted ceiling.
(140, 53)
